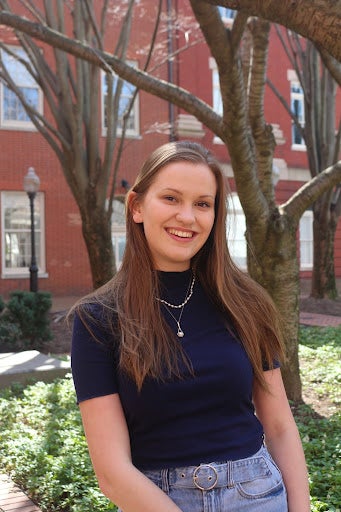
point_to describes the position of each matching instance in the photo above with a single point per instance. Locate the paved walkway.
(319, 320)
(12, 499)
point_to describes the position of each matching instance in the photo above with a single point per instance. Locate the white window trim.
(293, 79)
(235, 209)
(23, 273)
(130, 133)
(213, 67)
(13, 124)
(308, 214)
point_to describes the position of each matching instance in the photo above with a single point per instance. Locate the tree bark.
(324, 228)
(319, 21)
(272, 262)
(96, 231)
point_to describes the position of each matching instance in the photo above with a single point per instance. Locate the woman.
(172, 358)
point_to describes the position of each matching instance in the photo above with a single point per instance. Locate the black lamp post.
(31, 186)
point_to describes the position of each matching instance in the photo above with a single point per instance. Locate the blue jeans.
(252, 484)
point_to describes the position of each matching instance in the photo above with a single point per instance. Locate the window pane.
(127, 92)
(227, 13)
(121, 243)
(17, 230)
(306, 240)
(12, 108)
(297, 107)
(296, 135)
(236, 233)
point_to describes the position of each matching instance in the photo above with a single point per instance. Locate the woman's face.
(177, 213)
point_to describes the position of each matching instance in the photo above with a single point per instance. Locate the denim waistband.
(215, 474)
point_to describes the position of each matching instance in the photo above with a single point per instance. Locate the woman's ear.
(134, 207)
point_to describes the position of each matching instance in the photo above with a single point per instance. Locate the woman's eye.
(170, 198)
(204, 204)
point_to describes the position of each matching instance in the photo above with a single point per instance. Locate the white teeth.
(182, 234)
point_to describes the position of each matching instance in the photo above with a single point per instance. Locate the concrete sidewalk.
(24, 366)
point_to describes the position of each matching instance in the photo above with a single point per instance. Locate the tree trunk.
(324, 226)
(97, 235)
(272, 262)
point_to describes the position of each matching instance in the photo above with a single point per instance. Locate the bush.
(43, 447)
(24, 320)
(2, 304)
(10, 335)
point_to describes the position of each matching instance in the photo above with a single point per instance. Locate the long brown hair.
(147, 348)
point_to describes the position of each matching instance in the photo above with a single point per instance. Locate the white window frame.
(14, 123)
(118, 229)
(296, 96)
(216, 93)
(306, 237)
(130, 132)
(236, 227)
(23, 272)
(217, 103)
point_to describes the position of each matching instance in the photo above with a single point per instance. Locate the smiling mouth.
(181, 234)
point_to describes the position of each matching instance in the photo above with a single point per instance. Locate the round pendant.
(180, 333)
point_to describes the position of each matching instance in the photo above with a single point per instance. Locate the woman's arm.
(109, 447)
(282, 439)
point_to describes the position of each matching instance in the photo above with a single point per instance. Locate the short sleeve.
(93, 361)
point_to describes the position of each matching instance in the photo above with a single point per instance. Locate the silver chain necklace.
(180, 333)
(187, 297)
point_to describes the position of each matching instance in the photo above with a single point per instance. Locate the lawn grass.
(42, 445)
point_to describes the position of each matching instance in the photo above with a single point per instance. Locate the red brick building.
(62, 258)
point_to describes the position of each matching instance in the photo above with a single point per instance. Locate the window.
(236, 232)
(127, 92)
(118, 231)
(227, 14)
(216, 94)
(13, 114)
(306, 241)
(16, 233)
(217, 100)
(297, 107)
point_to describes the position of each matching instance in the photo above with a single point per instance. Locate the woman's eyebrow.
(170, 189)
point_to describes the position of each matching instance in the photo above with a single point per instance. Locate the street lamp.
(31, 186)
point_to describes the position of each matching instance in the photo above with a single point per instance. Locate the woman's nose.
(185, 214)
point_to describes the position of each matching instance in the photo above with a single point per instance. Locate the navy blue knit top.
(201, 418)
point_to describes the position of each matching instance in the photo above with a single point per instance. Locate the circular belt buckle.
(195, 477)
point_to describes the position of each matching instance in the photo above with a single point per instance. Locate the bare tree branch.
(309, 192)
(130, 106)
(302, 16)
(333, 66)
(140, 79)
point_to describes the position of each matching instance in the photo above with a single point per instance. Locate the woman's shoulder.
(97, 316)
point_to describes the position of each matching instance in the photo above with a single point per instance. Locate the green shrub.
(320, 356)
(2, 304)
(10, 336)
(29, 312)
(43, 447)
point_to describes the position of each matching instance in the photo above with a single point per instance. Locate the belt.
(216, 475)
